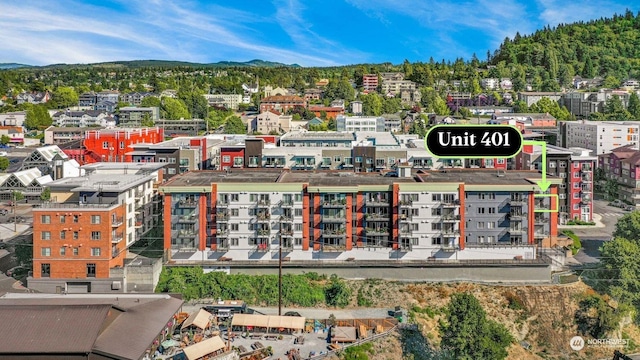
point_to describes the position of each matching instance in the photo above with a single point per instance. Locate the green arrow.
(543, 184)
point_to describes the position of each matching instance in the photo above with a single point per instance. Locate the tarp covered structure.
(343, 334)
(269, 321)
(199, 319)
(204, 348)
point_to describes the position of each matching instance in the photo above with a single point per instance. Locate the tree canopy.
(37, 117)
(234, 125)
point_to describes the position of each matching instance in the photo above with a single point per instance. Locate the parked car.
(4, 212)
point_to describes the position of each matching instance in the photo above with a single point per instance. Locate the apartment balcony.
(222, 217)
(376, 231)
(518, 202)
(260, 247)
(450, 232)
(334, 219)
(586, 169)
(263, 218)
(586, 198)
(377, 217)
(117, 237)
(222, 203)
(288, 233)
(405, 245)
(586, 177)
(186, 233)
(222, 245)
(517, 231)
(286, 203)
(187, 219)
(334, 234)
(450, 218)
(115, 222)
(451, 203)
(377, 203)
(540, 235)
(333, 248)
(222, 233)
(540, 221)
(405, 218)
(334, 204)
(406, 232)
(263, 203)
(286, 245)
(286, 219)
(187, 204)
(516, 217)
(449, 247)
(263, 232)
(406, 203)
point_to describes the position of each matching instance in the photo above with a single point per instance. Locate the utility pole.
(280, 277)
(15, 213)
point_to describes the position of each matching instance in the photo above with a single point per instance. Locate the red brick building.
(331, 112)
(281, 103)
(112, 145)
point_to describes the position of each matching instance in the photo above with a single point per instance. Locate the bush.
(580, 222)
(515, 303)
(577, 245)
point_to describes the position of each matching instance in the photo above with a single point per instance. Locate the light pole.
(15, 213)
(280, 277)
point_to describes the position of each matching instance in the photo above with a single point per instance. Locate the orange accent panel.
(359, 218)
(349, 213)
(530, 218)
(395, 201)
(305, 218)
(553, 231)
(202, 220)
(462, 219)
(167, 221)
(317, 218)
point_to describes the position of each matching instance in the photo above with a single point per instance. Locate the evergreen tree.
(634, 106)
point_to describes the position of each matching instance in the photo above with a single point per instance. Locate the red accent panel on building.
(167, 221)
(113, 144)
(462, 218)
(268, 139)
(359, 219)
(305, 217)
(554, 215)
(317, 219)
(349, 223)
(228, 154)
(395, 218)
(531, 217)
(202, 220)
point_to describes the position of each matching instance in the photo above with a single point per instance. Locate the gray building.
(360, 123)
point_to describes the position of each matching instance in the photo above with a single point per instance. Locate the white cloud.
(555, 12)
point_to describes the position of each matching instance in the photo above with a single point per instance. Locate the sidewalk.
(596, 219)
(7, 230)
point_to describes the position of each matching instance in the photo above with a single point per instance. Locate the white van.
(224, 314)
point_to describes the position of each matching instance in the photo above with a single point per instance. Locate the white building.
(360, 123)
(229, 101)
(83, 119)
(601, 137)
(15, 118)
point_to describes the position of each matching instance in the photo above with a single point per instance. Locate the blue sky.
(306, 32)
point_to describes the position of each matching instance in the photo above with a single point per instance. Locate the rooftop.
(98, 182)
(318, 135)
(341, 178)
(482, 176)
(134, 167)
(207, 177)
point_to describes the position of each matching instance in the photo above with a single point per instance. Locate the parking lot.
(314, 344)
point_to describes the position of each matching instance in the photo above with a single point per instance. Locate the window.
(576, 185)
(63, 234)
(234, 212)
(75, 251)
(436, 226)
(233, 241)
(171, 171)
(415, 212)
(358, 159)
(415, 227)
(436, 241)
(563, 164)
(95, 219)
(91, 270)
(500, 161)
(298, 197)
(235, 197)
(436, 211)
(238, 161)
(481, 225)
(576, 175)
(337, 159)
(226, 159)
(95, 251)
(298, 212)
(63, 251)
(45, 235)
(480, 210)
(253, 197)
(45, 251)
(297, 227)
(491, 225)
(298, 241)
(481, 239)
(436, 197)
(75, 235)
(45, 219)
(96, 235)
(45, 270)
(121, 144)
(105, 144)
(76, 218)
(63, 218)
(492, 210)
(552, 164)
(233, 227)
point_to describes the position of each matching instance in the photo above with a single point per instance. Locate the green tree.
(611, 189)
(634, 106)
(371, 104)
(440, 106)
(65, 97)
(339, 89)
(147, 121)
(5, 139)
(45, 195)
(614, 109)
(195, 103)
(151, 101)
(467, 334)
(596, 318)
(37, 118)
(619, 261)
(173, 109)
(628, 226)
(4, 163)
(337, 293)
(234, 125)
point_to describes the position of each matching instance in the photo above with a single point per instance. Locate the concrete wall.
(142, 276)
(487, 217)
(53, 286)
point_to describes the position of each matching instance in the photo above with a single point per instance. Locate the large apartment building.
(248, 214)
(81, 237)
(574, 167)
(601, 137)
(622, 166)
(360, 123)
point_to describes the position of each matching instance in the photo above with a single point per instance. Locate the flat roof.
(341, 178)
(207, 177)
(481, 176)
(150, 166)
(319, 135)
(100, 182)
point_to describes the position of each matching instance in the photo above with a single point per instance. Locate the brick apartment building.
(622, 166)
(112, 145)
(458, 214)
(281, 103)
(81, 237)
(575, 168)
